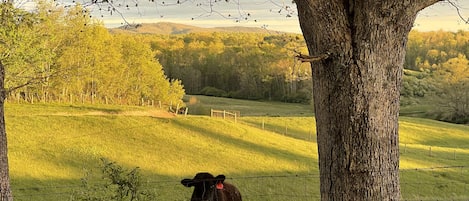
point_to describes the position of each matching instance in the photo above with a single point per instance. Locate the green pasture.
(269, 157)
(201, 105)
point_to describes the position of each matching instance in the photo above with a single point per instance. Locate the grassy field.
(270, 152)
(201, 105)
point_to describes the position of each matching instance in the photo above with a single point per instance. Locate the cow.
(209, 188)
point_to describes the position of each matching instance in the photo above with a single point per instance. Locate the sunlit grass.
(52, 146)
(203, 104)
(434, 160)
(61, 148)
(297, 127)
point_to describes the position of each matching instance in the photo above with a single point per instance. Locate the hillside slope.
(175, 28)
(63, 143)
(52, 146)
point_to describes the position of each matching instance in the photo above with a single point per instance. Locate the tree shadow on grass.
(245, 145)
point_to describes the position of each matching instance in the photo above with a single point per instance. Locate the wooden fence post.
(286, 128)
(225, 114)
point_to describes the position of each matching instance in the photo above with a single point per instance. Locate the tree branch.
(314, 58)
(31, 81)
(458, 10)
(421, 4)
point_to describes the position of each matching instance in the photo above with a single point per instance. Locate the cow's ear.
(187, 182)
(220, 178)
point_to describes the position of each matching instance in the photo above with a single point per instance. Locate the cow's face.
(205, 186)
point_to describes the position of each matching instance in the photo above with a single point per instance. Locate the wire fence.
(425, 184)
(439, 150)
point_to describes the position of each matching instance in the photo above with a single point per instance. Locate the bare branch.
(32, 81)
(111, 8)
(458, 10)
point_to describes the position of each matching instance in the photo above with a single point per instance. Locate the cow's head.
(205, 186)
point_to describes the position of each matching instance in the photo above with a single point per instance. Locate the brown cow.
(209, 188)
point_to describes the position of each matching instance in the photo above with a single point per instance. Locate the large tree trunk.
(5, 192)
(356, 92)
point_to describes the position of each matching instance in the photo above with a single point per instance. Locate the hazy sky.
(271, 14)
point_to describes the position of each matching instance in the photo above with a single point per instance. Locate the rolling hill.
(53, 146)
(175, 28)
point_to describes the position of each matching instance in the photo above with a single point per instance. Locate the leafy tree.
(416, 84)
(454, 98)
(13, 51)
(455, 69)
(84, 57)
(144, 76)
(91, 65)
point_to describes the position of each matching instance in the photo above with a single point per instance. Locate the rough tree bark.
(357, 51)
(5, 192)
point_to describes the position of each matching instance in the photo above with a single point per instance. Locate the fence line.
(225, 114)
(285, 129)
(286, 187)
(443, 151)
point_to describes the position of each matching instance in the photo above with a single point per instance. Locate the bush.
(301, 96)
(120, 185)
(212, 91)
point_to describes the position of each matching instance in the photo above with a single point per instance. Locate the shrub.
(120, 185)
(212, 91)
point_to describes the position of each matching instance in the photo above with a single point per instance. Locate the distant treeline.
(262, 66)
(239, 65)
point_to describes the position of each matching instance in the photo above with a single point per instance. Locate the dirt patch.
(151, 113)
(147, 113)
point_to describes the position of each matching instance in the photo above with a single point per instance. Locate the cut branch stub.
(314, 58)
